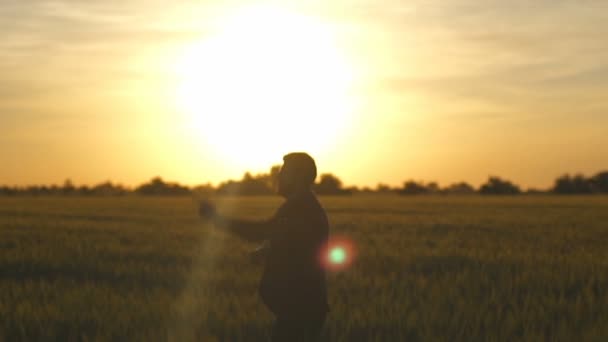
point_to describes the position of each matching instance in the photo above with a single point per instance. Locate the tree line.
(327, 184)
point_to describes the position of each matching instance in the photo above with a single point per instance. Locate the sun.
(266, 81)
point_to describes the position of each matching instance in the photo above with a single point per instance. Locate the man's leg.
(298, 329)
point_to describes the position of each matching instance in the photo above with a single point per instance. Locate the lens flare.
(337, 254)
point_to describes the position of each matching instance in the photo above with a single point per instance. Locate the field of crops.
(428, 269)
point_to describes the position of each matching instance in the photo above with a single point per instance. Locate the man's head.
(297, 174)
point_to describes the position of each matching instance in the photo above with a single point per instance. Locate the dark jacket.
(293, 282)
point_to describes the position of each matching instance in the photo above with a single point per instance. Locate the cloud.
(517, 58)
(496, 52)
(53, 48)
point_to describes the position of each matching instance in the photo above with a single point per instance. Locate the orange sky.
(433, 90)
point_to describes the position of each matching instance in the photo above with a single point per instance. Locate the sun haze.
(376, 91)
(264, 82)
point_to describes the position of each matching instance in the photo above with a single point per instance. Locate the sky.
(446, 91)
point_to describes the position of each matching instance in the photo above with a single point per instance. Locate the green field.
(428, 269)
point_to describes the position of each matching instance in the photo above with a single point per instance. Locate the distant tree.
(68, 187)
(84, 190)
(366, 189)
(577, 184)
(108, 189)
(353, 189)
(534, 191)
(249, 185)
(412, 187)
(582, 185)
(271, 178)
(563, 185)
(32, 190)
(330, 185)
(8, 191)
(55, 190)
(204, 190)
(461, 188)
(228, 188)
(384, 188)
(44, 190)
(497, 186)
(157, 186)
(258, 185)
(433, 188)
(600, 182)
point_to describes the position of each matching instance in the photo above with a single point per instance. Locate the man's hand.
(207, 210)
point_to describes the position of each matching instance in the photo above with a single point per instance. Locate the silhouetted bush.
(8, 191)
(230, 187)
(497, 186)
(108, 189)
(579, 184)
(249, 185)
(204, 190)
(157, 187)
(534, 191)
(35, 190)
(415, 188)
(573, 185)
(353, 189)
(600, 182)
(261, 184)
(330, 185)
(384, 188)
(366, 190)
(68, 188)
(461, 188)
(83, 190)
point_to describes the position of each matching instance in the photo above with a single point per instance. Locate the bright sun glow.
(265, 82)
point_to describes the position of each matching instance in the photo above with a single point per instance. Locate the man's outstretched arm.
(247, 229)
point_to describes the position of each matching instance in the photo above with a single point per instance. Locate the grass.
(521, 268)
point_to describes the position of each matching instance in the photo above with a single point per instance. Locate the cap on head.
(302, 165)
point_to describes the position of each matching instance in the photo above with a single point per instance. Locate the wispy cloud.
(55, 48)
(542, 58)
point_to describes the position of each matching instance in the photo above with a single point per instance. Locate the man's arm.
(247, 229)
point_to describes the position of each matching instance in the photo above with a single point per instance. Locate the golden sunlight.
(266, 81)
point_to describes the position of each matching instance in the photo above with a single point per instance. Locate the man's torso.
(294, 282)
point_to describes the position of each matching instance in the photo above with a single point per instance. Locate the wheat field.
(429, 268)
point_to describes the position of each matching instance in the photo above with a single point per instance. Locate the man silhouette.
(293, 284)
